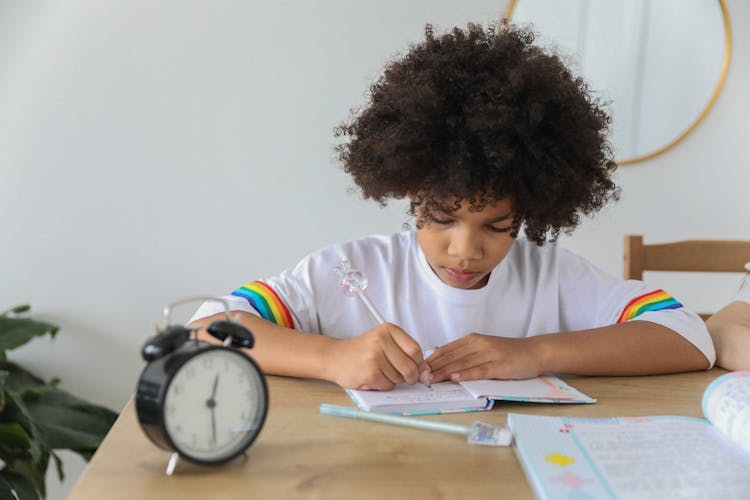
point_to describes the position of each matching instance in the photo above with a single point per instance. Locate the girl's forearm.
(730, 331)
(279, 350)
(631, 348)
(732, 341)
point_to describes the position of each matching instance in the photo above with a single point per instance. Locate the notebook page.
(446, 396)
(629, 458)
(546, 388)
(726, 404)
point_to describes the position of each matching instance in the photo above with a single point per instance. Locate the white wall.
(700, 189)
(640, 56)
(151, 150)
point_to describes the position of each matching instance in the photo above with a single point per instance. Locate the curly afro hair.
(482, 115)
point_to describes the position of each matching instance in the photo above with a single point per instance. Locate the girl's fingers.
(407, 344)
(449, 357)
(390, 373)
(460, 361)
(478, 372)
(399, 361)
(404, 354)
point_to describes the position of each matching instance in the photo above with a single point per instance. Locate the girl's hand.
(478, 356)
(376, 360)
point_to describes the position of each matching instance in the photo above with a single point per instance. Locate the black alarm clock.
(204, 402)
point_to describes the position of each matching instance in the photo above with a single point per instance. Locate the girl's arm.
(378, 359)
(730, 331)
(630, 348)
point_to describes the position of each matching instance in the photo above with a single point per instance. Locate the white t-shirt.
(534, 290)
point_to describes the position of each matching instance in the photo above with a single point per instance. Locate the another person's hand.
(477, 356)
(376, 360)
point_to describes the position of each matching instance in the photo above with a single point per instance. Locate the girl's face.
(463, 247)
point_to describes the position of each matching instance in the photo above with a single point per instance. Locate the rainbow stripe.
(652, 301)
(266, 302)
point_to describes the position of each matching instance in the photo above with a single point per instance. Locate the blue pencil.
(479, 433)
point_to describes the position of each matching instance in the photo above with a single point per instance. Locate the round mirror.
(658, 65)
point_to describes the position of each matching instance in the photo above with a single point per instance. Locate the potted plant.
(37, 417)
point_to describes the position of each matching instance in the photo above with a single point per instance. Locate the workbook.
(474, 395)
(655, 457)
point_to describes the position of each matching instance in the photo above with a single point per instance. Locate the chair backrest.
(727, 256)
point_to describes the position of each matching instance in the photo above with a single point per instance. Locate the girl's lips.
(458, 275)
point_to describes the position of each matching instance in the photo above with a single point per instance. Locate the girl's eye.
(442, 222)
(499, 229)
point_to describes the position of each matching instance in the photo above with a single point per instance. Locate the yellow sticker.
(560, 459)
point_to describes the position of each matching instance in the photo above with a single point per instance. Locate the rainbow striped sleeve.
(652, 301)
(266, 302)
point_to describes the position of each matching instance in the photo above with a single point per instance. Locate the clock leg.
(172, 464)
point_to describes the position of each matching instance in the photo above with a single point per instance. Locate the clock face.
(215, 405)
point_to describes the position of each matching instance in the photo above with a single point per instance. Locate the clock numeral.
(170, 409)
(190, 371)
(178, 428)
(208, 362)
(177, 389)
(249, 395)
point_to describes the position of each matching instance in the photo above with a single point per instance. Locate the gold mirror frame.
(722, 77)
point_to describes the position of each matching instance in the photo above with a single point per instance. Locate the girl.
(488, 136)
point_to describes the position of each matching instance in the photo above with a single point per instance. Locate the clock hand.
(211, 403)
(216, 384)
(213, 426)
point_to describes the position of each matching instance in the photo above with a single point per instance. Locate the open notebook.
(475, 395)
(652, 457)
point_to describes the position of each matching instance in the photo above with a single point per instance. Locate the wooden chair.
(725, 256)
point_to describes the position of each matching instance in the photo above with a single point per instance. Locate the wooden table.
(303, 454)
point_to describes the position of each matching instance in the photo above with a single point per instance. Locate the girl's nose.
(465, 244)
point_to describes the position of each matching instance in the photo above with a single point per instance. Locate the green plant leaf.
(37, 417)
(15, 486)
(19, 382)
(15, 332)
(55, 417)
(58, 466)
(29, 477)
(68, 422)
(20, 379)
(32, 462)
(39, 463)
(6, 490)
(16, 310)
(14, 441)
(15, 411)
(23, 455)
(3, 376)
